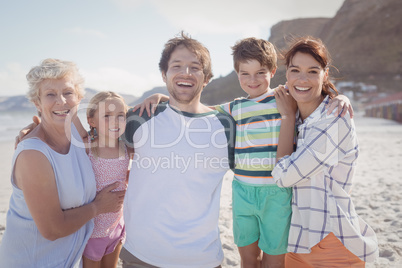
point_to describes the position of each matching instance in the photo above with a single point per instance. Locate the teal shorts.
(261, 213)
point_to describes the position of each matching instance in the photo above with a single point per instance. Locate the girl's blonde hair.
(93, 106)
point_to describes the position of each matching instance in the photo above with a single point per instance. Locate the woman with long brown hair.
(325, 228)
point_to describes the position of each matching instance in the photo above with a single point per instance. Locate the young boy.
(261, 210)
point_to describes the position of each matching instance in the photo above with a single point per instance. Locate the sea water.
(12, 122)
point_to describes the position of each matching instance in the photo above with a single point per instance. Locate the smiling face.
(109, 119)
(184, 77)
(254, 79)
(58, 99)
(305, 78)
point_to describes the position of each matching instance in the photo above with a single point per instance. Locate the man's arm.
(150, 103)
(23, 132)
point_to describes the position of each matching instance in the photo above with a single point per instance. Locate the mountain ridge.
(364, 39)
(20, 103)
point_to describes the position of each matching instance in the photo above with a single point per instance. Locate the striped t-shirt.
(258, 123)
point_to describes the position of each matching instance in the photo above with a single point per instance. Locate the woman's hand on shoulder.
(286, 104)
(150, 103)
(340, 102)
(108, 200)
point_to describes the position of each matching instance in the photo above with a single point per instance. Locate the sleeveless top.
(108, 171)
(22, 244)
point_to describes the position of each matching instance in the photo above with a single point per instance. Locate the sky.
(117, 43)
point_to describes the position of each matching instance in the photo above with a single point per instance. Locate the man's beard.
(186, 99)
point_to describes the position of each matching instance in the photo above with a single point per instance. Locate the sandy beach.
(376, 193)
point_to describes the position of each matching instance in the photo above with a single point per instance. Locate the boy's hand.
(340, 102)
(23, 132)
(150, 103)
(286, 104)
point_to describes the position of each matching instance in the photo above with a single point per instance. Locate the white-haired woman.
(54, 194)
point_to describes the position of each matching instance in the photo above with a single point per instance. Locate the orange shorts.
(330, 252)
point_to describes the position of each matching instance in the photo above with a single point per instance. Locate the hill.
(162, 90)
(222, 90)
(364, 39)
(16, 103)
(21, 104)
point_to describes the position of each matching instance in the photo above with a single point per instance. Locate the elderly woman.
(53, 199)
(325, 229)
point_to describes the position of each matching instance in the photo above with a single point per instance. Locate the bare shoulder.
(32, 166)
(31, 158)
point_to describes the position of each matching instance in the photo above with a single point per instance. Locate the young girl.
(110, 159)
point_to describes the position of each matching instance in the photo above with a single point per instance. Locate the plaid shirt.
(321, 172)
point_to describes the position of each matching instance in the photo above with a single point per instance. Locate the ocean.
(12, 122)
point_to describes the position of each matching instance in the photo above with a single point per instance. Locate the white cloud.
(249, 18)
(90, 32)
(12, 80)
(120, 80)
(225, 16)
(128, 4)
